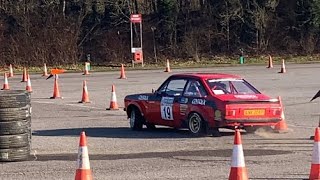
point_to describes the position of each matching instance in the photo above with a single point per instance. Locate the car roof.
(206, 75)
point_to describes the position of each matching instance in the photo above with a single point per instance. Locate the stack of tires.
(15, 125)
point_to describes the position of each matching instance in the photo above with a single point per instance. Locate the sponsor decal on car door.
(166, 108)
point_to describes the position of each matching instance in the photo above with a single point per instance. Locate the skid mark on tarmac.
(74, 105)
(198, 153)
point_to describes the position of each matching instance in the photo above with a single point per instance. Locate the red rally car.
(203, 103)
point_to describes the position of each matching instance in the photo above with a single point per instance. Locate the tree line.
(33, 32)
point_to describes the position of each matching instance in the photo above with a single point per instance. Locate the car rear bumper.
(274, 120)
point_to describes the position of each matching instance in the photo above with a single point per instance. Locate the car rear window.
(231, 86)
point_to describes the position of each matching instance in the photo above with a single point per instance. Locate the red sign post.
(137, 51)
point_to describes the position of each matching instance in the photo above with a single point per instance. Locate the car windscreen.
(231, 86)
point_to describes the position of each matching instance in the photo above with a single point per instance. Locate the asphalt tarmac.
(116, 152)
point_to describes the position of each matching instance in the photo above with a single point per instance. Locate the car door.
(166, 110)
(193, 99)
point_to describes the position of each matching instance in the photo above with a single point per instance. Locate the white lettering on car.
(143, 97)
(199, 101)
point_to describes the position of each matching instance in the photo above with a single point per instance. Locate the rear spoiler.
(244, 101)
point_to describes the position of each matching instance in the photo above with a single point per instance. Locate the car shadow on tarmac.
(122, 132)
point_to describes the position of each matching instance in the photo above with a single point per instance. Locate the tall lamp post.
(154, 44)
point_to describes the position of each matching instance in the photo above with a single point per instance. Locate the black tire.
(15, 154)
(136, 119)
(196, 124)
(14, 141)
(15, 127)
(14, 99)
(14, 114)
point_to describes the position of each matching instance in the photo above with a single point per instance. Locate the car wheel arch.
(136, 120)
(131, 107)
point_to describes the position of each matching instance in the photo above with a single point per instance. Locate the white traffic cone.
(28, 86)
(83, 171)
(113, 102)
(238, 169)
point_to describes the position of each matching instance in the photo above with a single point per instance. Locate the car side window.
(174, 87)
(195, 89)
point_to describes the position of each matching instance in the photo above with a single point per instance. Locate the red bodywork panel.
(224, 110)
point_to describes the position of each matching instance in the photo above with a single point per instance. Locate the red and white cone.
(270, 62)
(28, 86)
(10, 71)
(56, 91)
(6, 83)
(45, 70)
(83, 171)
(86, 69)
(85, 94)
(113, 102)
(281, 126)
(315, 165)
(122, 73)
(283, 67)
(24, 75)
(167, 66)
(238, 169)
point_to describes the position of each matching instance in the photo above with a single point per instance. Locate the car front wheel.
(136, 122)
(196, 124)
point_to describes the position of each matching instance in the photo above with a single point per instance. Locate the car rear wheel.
(136, 120)
(196, 124)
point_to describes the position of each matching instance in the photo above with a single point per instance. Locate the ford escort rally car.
(203, 103)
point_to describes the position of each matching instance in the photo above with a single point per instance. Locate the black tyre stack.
(15, 125)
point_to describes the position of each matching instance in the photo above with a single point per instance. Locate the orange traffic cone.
(10, 71)
(281, 126)
(28, 86)
(270, 62)
(45, 71)
(122, 74)
(315, 165)
(238, 169)
(113, 102)
(24, 75)
(168, 66)
(86, 69)
(56, 92)
(83, 171)
(283, 67)
(85, 94)
(6, 84)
